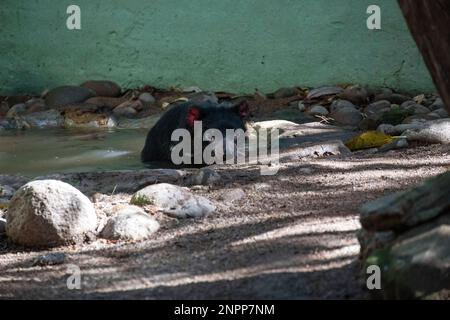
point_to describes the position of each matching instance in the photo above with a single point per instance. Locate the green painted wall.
(215, 44)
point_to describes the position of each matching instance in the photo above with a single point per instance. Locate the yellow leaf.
(369, 139)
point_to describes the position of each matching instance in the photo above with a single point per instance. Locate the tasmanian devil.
(158, 145)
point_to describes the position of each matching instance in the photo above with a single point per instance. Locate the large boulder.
(49, 213)
(174, 201)
(409, 208)
(417, 265)
(407, 235)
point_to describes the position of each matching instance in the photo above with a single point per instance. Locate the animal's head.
(219, 117)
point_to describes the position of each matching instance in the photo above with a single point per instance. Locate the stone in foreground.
(49, 213)
(417, 267)
(174, 201)
(130, 223)
(408, 208)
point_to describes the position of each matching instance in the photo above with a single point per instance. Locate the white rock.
(49, 213)
(437, 131)
(174, 201)
(130, 223)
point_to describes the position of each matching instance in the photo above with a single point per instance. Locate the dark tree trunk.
(429, 23)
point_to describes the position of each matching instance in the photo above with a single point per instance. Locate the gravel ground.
(292, 236)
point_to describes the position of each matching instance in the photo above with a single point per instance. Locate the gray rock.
(401, 128)
(394, 98)
(130, 223)
(174, 201)
(376, 109)
(323, 92)
(102, 88)
(44, 119)
(204, 176)
(286, 92)
(374, 91)
(396, 144)
(341, 104)
(355, 94)
(65, 95)
(407, 104)
(418, 266)
(2, 226)
(441, 113)
(420, 118)
(386, 128)
(437, 104)
(49, 213)
(415, 108)
(6, 191)
(371, 241)
(408, 208)
(398, 129)
(319, 110)
(128, 112)
(146, 98)
(50, 259)
(432, 132)
(16, 110)
(347, 116)
(368, 124)
(232, 195)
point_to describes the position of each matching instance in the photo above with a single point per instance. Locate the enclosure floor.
(293, 236)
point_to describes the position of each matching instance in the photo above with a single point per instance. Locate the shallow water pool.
(39, 152)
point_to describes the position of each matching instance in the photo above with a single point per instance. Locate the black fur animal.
(158, 144)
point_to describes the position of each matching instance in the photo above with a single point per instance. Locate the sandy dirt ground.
(292, 236)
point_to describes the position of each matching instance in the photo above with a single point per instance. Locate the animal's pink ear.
(192, 116)
(243, 109)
